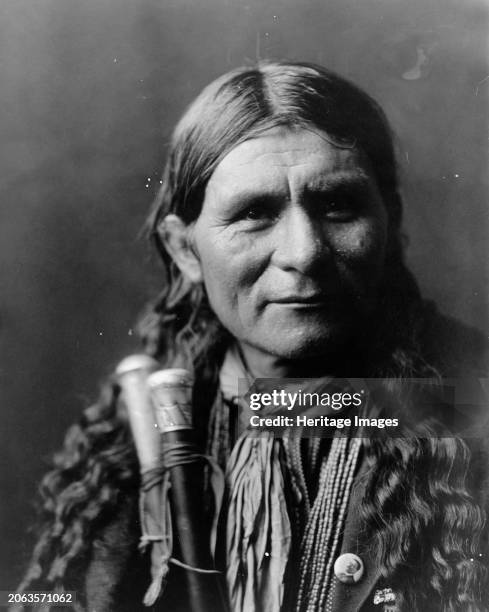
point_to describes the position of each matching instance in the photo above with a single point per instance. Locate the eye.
(342, 208)
(256, 213)
(259, 213)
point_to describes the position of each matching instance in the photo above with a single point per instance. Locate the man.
(279, 223)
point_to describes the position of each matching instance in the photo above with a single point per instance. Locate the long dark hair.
(416, 484)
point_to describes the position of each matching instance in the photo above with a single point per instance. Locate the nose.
(301, 243)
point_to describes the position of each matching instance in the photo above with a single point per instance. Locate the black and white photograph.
(245, 305)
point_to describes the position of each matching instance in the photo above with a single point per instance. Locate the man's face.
(291, 240)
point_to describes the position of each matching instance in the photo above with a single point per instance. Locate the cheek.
(230, 265)
(360, 245)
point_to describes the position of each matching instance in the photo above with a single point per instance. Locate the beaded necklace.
(325, 523)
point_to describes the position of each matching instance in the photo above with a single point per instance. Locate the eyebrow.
(339, 180)
(334, 181)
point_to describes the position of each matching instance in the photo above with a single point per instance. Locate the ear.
(175, 235)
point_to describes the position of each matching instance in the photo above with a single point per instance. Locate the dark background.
(89, 92)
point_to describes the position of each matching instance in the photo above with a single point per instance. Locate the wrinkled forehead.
(287, 161)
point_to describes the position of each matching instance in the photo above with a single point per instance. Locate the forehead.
(285, 159)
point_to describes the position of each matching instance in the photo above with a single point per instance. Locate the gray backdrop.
(89, 92)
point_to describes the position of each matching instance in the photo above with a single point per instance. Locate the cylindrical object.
(132, 374)
(171, 391)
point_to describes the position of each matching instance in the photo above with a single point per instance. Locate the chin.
(298, 346)
(304, 334)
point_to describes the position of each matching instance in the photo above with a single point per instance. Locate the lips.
(301, 299)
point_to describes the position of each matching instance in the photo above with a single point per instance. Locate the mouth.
(315, 300)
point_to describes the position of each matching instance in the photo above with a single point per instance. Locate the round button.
(349, 568)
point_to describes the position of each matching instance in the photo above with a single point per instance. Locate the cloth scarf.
(258, 530)
(258, 526)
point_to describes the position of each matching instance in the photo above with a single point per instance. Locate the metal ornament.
(349, 568)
